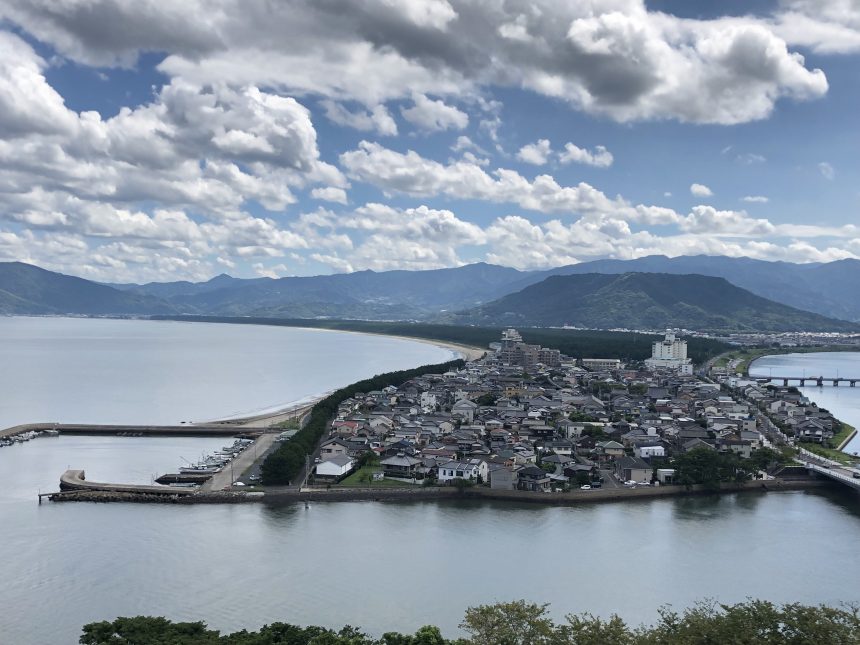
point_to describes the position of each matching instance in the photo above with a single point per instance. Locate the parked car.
(585, 487)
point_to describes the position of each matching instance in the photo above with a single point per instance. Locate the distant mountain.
(646, 301)
(831, 289)
(183, 288)
(27, 289)
(391, 295)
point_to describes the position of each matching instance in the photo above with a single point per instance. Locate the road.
(233, 471)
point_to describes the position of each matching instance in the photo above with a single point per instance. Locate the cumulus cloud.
(706, 219)
(378, 119)
(700, 190)
(600, 157)
(825, 26)
(412, 174)
(330, 194)
(608, 57)
(434, 116)
(535, 153)
(755, 199)
(411, 238)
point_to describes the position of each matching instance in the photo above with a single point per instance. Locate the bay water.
(384, 566)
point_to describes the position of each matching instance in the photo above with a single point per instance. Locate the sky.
(164, 140)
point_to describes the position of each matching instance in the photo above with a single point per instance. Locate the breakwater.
(127, 430)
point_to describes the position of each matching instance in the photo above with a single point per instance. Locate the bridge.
(829, 468)
(803, 380)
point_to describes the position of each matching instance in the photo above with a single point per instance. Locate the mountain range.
(831, 290)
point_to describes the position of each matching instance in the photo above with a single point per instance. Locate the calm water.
(843, 401)
(386, 565)
(382, 566)
(139, 371)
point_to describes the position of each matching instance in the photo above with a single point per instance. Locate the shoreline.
(807, 390)
(281, 496)
(468, 352)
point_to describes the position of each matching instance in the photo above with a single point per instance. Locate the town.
(528, 418)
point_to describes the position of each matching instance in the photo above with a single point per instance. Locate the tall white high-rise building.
(670, 353)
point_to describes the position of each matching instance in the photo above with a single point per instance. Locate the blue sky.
(170, 141)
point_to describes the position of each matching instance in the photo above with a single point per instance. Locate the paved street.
(233, 471)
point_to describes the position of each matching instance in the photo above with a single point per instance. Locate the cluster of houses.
(787, 408)
(560, 426)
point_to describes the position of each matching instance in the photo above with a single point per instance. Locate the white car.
(585, 487)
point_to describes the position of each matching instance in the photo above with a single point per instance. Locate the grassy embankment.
(363, 478)
(745, 356)
(832, 451)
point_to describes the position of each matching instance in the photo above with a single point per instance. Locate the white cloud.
(600, 157)
(377, 119)
(412, 174)
(827, 170)
(755, 199)
(535, 153)
(432, 115)
(28, 103)
(330, 194)
(750, 158)
(825, 26)
(709, 220)
(700, 190)
(608, 57)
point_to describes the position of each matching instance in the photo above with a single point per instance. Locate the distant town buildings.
(601, 364)
(513, 351)
(670, 354)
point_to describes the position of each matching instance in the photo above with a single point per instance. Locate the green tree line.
(577, 343)
(754, 622)
(711, 468)
(282, 465)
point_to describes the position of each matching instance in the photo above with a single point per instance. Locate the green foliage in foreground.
(282, 466)
(755, 622)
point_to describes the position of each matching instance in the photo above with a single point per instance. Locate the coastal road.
(233, 471)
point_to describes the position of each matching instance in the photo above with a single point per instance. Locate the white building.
(335, 467)
(670, 353)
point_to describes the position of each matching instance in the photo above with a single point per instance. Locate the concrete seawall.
(113, 429)
(75, 480)
(547, 499)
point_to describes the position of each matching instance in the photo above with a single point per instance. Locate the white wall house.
(646, 452)
(457, 469)
(334, 467)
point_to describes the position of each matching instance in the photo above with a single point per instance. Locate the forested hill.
(647, 301)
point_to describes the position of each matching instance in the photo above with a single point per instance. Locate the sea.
(379, 565)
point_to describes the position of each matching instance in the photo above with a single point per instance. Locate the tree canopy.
(754, 622)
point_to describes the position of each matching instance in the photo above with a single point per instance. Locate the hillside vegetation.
(647, 301)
